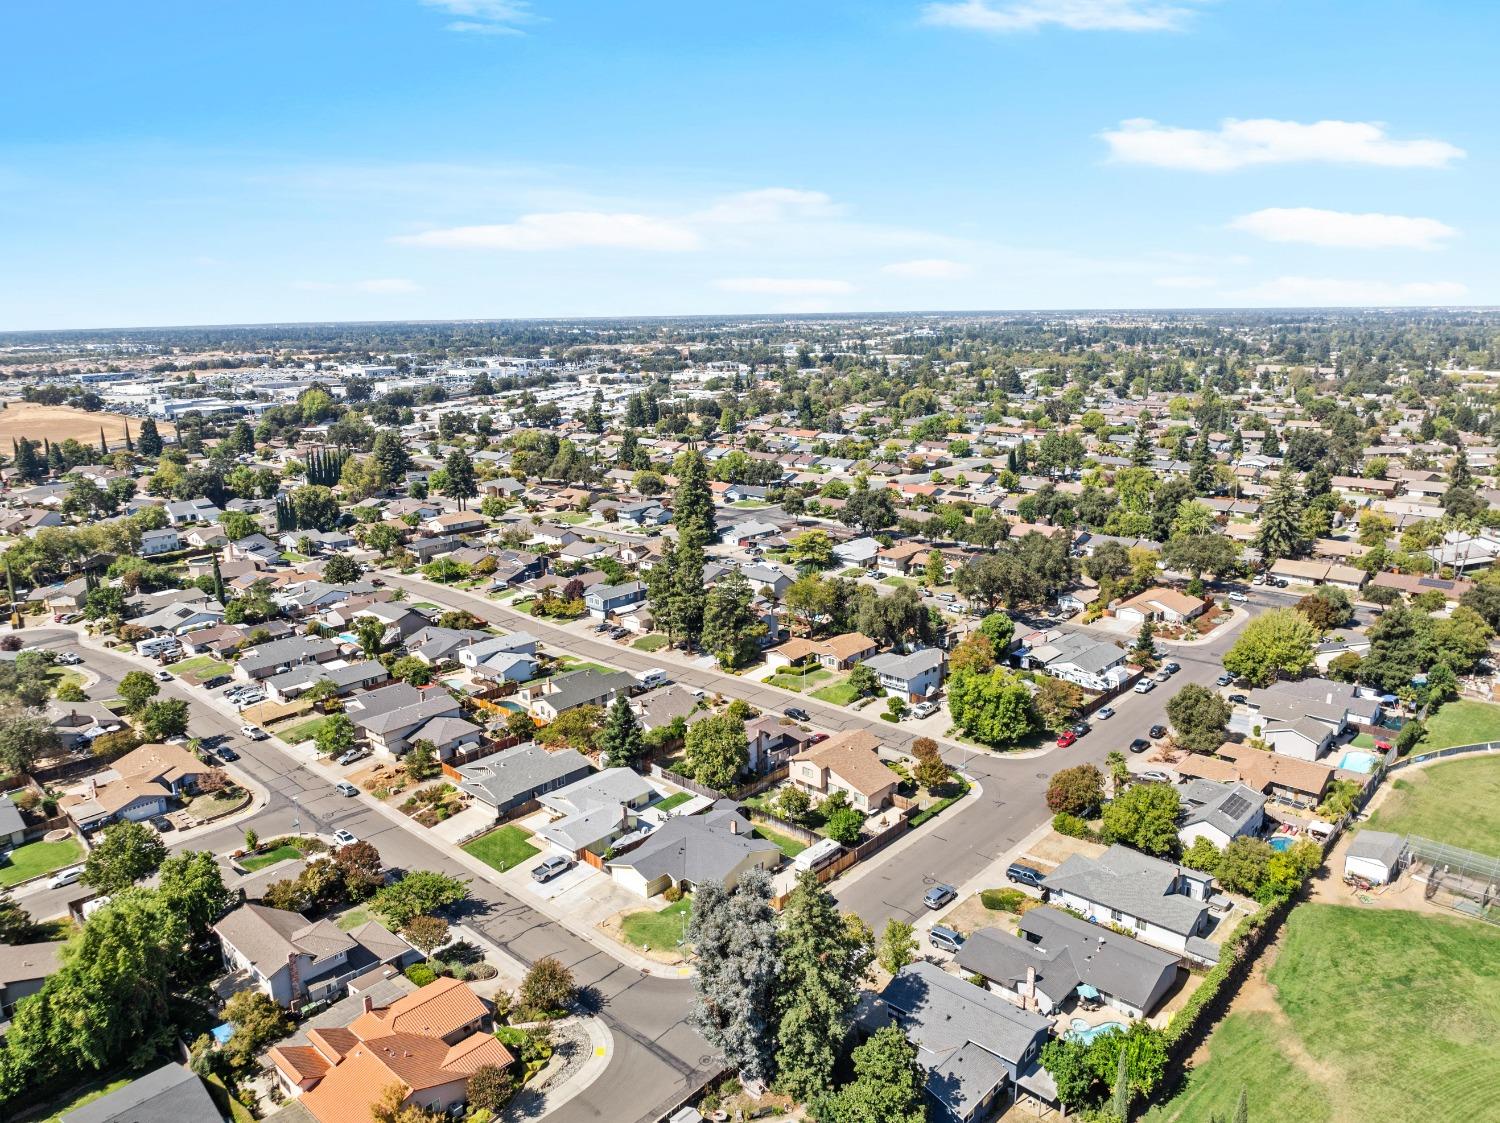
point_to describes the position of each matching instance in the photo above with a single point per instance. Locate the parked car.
(545, 870)
(939, 895)
(1238, 700)
(1258, 579)
(161, 823)
(344, 838)
(1225, 679)
(1017, 874)
(164, 676)
(345, 788)
(797, 713)
(229, 754)
(817, 738)
(1081, 727)
(1171, 666)
(1153, 777)
(1145, 686)
(352, 755)
(1066, 738)
(1139, 745)
(1238, 597)
(1158, 731)
(1104, 713)
(64, 878)
(1162, 675)
(254, 732)
(69, 658)
(924, 709)
(945, 939)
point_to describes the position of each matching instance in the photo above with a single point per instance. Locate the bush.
(1004, 900)
(672, 893)
(547, 988)
(1071, 825)
(420, 974)
(1076, 791)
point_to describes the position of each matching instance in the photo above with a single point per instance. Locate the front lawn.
(839, 693)
(354, 918)
(1461, 723)
(270, 857)
(650, 643)
(37, 858)
(1380, 1014)
(502, 849)
(785, 843)
(200, 667)
(661, 929)
(569, 665)
(897, 582)
(677, 799)
(794, 679)
(304, 731)
(1452, 802)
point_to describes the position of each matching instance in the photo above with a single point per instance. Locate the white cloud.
(1242, 144)
(563, 230)
(784, 286)
(1185, 281)
(929, 269)
(1340, 229)
(1074, 15)
(485, 17)
(769, 204)
(1325, 291)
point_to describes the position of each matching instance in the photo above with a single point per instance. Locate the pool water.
(1357, 760)
(1282, 842)
(1080, 1030)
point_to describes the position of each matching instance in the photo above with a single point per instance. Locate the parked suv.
(944, 939)
(938, 896)
(1018, 874)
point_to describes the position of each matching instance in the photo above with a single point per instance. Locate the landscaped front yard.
(1374, 1014)
(200, 667)
(1461, 723)
(260, 861)
(503, 849)
(304, 731)
(37, 858)
(1452, 802)
(653, 642)
(839, 693)
(661, 929)
(798, 678)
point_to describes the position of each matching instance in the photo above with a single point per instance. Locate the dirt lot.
(58, 423)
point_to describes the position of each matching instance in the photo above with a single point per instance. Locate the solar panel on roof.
(1235, 806)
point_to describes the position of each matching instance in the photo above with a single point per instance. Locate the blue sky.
(176, 162)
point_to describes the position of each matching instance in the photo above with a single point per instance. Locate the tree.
(1058, 702)
(999, 629)
(258, 1020)
(547, 986)
(163, 720)
(390, 455)
(335, 736)
(887, 1086)
(1076, 791)
(822, 963)
(421, 761)
(360, 869)
(862, 680)
(125, 853)
(693, 503)
(1327, 608)
(931, 771)
(994, 708)
(16, 925)
(1199, 717)
(733, 935)
(314, 507)
(459, 483)
(419, 892)
(974, 653)
(732, 629)
(621, 741)
(136, 689)
(1145, 817)
(426, 933)
(579, 727)
(149, 441)
(490, 1088)
(25, 738)
(716, 751)
(897, 947)
(1243, 864)
(1198, 554)
(811, 548)
(1280, 534)
(1278, 642)
(868, 510)
(391, 1107)
(409, 669)
(341, 569)
(1202, 855)
(843, 823)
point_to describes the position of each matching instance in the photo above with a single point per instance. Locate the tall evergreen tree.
(391, 455)
(129, 444)
(103, 444)
(1280, 533)
(693, 502)
(733, 933)
(691, 598)
(621, 741)
(1122, 1088)
(150, 440)
(28, 465)
(1142, 451)
(459, 482)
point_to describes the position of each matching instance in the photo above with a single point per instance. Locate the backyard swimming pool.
(1080, 1030)
(1282, 842)
(1357, 760)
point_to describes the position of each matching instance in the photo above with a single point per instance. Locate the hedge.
(1005, 900)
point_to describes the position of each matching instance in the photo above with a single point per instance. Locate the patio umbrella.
(1086, 991)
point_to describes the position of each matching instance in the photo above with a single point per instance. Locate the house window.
(1116, 916)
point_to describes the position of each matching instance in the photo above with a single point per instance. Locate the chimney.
(1030, 996)
(367, 1004)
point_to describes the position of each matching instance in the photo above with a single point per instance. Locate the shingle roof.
(1134, 883)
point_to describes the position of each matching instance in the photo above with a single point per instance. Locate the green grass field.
(305, 731)
(95, 1091)
(203, 666)
(785, 843)
(1461, 723)
(37, 858)
(661, 929)
(354, 918)
(1452, 802)
(270, 858)
(839, 693)
(502, 849)
(676, 799)
(650, 643)
(791, 679)
(1388, 1015)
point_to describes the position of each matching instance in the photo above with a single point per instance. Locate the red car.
(818, 738)
(1066, 738)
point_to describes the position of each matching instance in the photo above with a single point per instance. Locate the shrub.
(548, 987)
(672, 893)
(420, 974)
(1004, 900)
(1076, 791)
(1070, 825)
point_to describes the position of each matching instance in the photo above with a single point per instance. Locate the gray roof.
(1134, 883)
(170, 1094)
(354, 674)
(437, 703)
(293, 649)
(1229, 808)
(501, 778)
(697, 848)
(1382, 846)
(384, 700)
(10, 816)
(1086, 653)
(964, 1035)
(577, 688)
(1313, 697)
(906, 666)
(1069, 951)
(21, 962)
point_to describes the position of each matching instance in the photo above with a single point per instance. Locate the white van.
(653, 678)
(158, 646)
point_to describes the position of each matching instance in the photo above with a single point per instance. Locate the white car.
(924, 709)
(254, 732)
(1238, 598)
(69, 659)
(1145, 686)
(344, 838)
(63, 878)
(163, 676)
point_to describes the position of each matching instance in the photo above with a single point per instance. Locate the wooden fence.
(754, 787)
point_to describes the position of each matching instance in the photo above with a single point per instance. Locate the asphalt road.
(657, 1056)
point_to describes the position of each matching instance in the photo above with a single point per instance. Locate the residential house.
(392, 719)
(255, 548)
(513, 780)
(268, 659)
(772, 741)
(1303, 718)
(176, 619)
(154, 542)
(1097, 665)
(455, 522)
(172, 1093)
(1219, 812)
(292, 960)
(191, 511)
(846, 762)
(688, 850)
(1057, 958)
(12, 825)
(858, 551)
(561, 693)
(837, 653)
(776, 578)
(1160, 603)
(139, 785)
(429, 1043)
(658, 708)
(897, 560)
(345, 678)
(1299, 783)
(594, 812)
(917, 675)
(78, 723)
(23, 970)
(973, 1046)
(604, 601)
(1319, 573)
(1162, 903)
